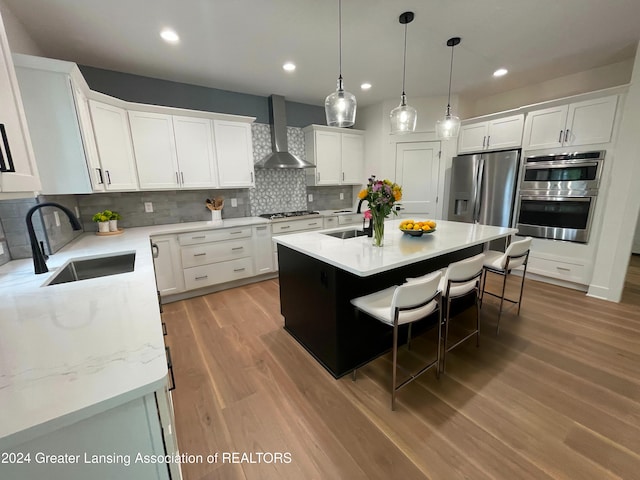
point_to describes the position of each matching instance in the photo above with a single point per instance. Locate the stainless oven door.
(556, 217)
(570, 175)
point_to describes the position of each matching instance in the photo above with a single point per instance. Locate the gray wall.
(136, 88)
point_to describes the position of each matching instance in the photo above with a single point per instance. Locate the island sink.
(347, 234)
(94, 267)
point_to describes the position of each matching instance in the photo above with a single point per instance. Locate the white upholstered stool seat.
(401, 305)
(516, 255)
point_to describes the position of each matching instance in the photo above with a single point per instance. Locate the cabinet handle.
(314, 223)
(560, 136)
(488, 140)
(199, 254)
(484, 140)
(177, 179)
(155, 250)
(202, 277)
(164, 329)
(566, 135)
(261, 228)
(237, 248)
(318, 175)
(182, 177)
(198, 237)
(343, 176)
(108, 177)
(172, 386)
(285, 227)
(235, 233)
(101, 179)
(239, 269)
(564, 269)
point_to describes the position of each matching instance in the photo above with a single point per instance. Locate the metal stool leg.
(478, 319)
(395, 362)
(504, 287)
(522, 287)
(409, 338)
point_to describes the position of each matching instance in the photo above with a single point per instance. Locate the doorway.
(418, 171)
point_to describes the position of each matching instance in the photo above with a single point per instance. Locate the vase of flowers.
(381, 196)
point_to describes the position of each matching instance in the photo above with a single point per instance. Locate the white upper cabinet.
(18, 171)
(96, 175)
(194, 148)
(498, 134)
(155, 150)
(234, 153)
(337, 154)
(113, 139)
(581, 123)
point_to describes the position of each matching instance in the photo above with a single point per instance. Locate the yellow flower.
(397, 195)
(363, 194)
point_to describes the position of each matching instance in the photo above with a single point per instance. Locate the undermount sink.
(347, 234)
(94, 267)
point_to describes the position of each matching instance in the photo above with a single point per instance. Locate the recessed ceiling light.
(289, 67)
(169, 36)
(365, 86)
(500, 72)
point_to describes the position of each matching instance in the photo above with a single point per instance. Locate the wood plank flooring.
(555, 395)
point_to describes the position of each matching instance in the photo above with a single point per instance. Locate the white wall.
(622, 201)
(19, 40)
(581, 82)
(636, 238)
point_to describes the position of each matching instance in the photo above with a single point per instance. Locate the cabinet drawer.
(571, 272)
(213, 235)
(330, 222)
(205, 253)
(221, 272)
(349, 219)
(297, 225)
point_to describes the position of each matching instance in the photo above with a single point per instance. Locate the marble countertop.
(73, 350)
(359, 256)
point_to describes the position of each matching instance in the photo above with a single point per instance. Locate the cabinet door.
(262, 249)
(155, 150)
(353, 159)
(545, 128)
(113, 139)
(194, 146)
(169, 278)
(591, 121)
(17, 161)
(234, 153)
(328, 153)
(473, 138)
(505, 132)
(96, 175)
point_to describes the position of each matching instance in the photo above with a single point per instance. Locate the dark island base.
(315, 302)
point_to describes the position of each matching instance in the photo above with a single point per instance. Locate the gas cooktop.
(297, 213)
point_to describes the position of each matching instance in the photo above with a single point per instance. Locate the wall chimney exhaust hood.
(280, 158)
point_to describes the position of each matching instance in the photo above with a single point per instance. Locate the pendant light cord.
(450, 75)
(404, 61)
(340, 38)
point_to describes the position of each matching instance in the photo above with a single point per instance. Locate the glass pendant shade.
(448, 127)
(340, 107)
(403, 118)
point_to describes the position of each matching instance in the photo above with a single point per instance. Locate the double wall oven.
(558, 195)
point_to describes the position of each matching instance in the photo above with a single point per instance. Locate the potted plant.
(102, 219)
(113, 221)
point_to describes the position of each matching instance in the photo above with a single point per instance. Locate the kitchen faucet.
(369, 229)
(39, 262)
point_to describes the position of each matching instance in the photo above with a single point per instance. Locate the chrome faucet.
(39, 261)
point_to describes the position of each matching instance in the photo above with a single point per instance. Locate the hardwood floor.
(555, 395)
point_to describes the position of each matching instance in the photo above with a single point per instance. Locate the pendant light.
(403, 117)
(340, 106)
(449, 126)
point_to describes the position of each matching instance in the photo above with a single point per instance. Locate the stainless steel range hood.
(280, 158)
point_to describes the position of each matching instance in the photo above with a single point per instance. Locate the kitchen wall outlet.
(311, 197)
(234, 202)
(341, 195)
(56, 217)
(148, 207)
(77, 211)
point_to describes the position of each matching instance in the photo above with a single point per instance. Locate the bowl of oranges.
(417, 229)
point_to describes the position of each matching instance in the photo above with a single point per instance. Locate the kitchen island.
(320, 274)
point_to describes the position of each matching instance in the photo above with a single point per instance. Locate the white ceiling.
(240, 45)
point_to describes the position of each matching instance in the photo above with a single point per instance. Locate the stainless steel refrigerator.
(483, 188)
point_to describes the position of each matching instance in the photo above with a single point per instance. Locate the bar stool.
(460, 280)
(401, 305)
(516, 255)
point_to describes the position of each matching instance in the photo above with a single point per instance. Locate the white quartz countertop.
(359, 256)
(72, 350)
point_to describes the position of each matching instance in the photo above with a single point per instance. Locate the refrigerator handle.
(478, 192)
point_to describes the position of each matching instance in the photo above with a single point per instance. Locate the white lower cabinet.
(218, 272)
(575, 271)
(111, 444)
(330, 222)
(291, 226)
(167, 264)
(262, 249)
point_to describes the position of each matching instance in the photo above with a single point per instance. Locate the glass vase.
(377, 221)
